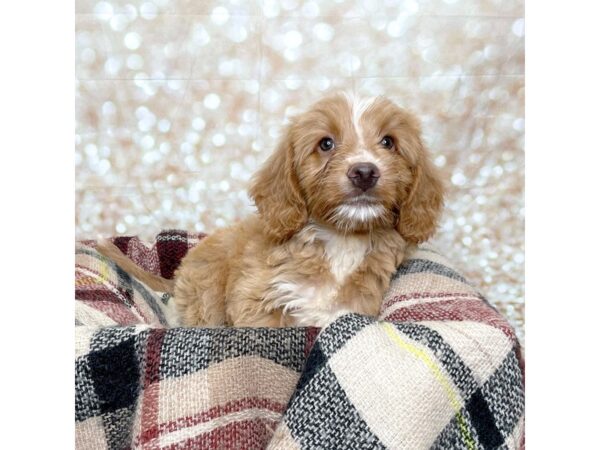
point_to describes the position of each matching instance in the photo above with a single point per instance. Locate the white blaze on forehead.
(358, 107)
(362, 156)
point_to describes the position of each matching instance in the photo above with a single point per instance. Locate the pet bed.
(441, 368)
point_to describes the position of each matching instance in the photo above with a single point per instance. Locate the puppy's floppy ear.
(276, 193)
(420, 211)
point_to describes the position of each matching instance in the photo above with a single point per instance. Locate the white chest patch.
(344, 253)
(315, 304)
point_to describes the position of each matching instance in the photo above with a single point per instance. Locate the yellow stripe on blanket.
(439, 376)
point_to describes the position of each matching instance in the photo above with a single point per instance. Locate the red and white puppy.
(347, 189)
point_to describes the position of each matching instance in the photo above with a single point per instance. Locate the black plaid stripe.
(483, 421)
(453, 436)
(334, 336)
(314, 363)
(459, 372)
(476, 414)
(113, 367)
(491, 413)
(107, 378)
(111, 336)
(184, 351)
(118, 427)
(115, 374)
(86, 401)
(424, 265)
(480, 424)
(151, 299)
(282, 346)
(322, 417)
(476, 407)
(187, 350)
(124, 285)
(505, 395)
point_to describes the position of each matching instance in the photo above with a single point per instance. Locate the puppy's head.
(356, 165)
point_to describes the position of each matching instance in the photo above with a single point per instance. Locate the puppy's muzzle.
(364, 175)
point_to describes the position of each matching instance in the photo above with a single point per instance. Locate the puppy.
(347, 190)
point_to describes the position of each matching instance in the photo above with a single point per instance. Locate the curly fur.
(318, 247)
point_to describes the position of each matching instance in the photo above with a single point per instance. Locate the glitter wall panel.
(178, 102)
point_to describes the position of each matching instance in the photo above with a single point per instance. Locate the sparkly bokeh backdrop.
(179, 101)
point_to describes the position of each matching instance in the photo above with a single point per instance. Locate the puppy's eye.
(326, 144)
(387, 142)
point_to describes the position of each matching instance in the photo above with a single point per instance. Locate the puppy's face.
(353, 164)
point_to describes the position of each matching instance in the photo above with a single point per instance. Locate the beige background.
(178, 102)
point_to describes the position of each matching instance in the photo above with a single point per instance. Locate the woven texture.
(440, 369)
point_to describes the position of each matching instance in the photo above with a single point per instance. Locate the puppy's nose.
(364, 175)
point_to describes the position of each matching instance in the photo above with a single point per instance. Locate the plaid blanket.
(439, 369)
